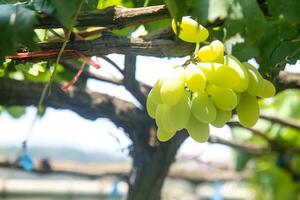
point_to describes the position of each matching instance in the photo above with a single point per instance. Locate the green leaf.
(16, 22)
(33, 69)
(16, 111)
(287, 10)
(65, 11)
(106, 3)
(242, 159)
(254, 20)
(157, 24)
(43, 6)
(210, 10)
(177, 8)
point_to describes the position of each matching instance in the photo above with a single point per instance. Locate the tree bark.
(150, 167)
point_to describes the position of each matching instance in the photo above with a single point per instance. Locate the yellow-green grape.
(235, 64)
(179, 114)
(218, 47)
(248, 110)
(269, 89)
(197, 130)
(238, 95)
(206, 54)
(212, 53)
(162, 118)
(203, 108)
(194, 78)
(225, 77)
(219, 74)
(222, 118)
(208, 68)
(190, 30)
(172, 86)
(153, 99)
(255, 80)
(163, 135)
(223, 98)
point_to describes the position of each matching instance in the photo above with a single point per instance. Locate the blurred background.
(75, 158)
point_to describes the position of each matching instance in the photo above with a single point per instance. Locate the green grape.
(208, 68)
(151, 107)
(269, 89)
(248, 110)
(235, 64)
(255, 80)
(238, 95)
(219, 74)
(223, 98)
(197, 130)
(203, 108)
(222, 118)
(225, 77)
(163, 135)
(172, 86)
(212, 53)
(153, 99)
(190, 30)
(162, 118)
(206, 53)
(218, 47)
(194, 78)
(179, 114)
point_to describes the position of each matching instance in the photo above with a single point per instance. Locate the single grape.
(269, 89)
(162, 118)
(222, 118)
(151, 107)
(197, 130)
(179, 114)
(206, 54)
(223, 98)
(248, 110)
(225, 77)
(235, 64)
(172, 86)
(153, 99)
(190, 30)
(218, 47)
(212, 53)
(194, 78)
(255, 80)
(163, 135)
(219, 74)
(203, 108)
(208, 68)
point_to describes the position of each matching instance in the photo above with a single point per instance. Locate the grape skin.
(172, 86)
(194, 78)
(203, 108)
(248, 110)
(197, 130)
(190, 30)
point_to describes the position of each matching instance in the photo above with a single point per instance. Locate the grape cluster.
(206, 90)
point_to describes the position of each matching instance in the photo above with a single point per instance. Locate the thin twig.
(110, 61)
(283, 121)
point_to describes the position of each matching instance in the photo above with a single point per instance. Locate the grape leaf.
(65, 11)
(210, 10)
(32, 68)
(16, 24)
(177, 8)
(254, 20)
(106, 3)
(287, 10)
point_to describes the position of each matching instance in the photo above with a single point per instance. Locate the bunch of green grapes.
(206, 90)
